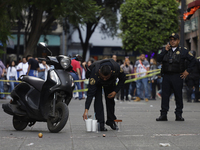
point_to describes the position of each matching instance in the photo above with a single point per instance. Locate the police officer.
(173, 69)
(192, 80)
(104, 74)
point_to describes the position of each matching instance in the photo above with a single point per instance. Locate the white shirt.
(12, 72)
(141, 67)
(46, 69)
(24, 67)
(174, 48)
(83, 73)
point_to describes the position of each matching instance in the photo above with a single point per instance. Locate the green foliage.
(30, 11)
(147, 24)
(105, 18)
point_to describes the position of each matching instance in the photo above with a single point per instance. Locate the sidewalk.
(140, 131)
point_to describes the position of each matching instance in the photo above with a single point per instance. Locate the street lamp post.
(182, 23)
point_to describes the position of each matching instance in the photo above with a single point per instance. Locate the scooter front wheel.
(57, 123)
(19, 124)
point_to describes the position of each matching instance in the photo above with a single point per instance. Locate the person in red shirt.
(77, 76)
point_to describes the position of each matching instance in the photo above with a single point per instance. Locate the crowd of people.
(147, 88)
(12, 71)
(134, 90)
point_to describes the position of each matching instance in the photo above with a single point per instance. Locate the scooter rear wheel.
(18, 123)
(57, 123)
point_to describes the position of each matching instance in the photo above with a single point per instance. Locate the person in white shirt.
(12, 74)
(42, 73)
(22, 67)
(141, 66)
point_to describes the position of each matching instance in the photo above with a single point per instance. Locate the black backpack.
(97, 65)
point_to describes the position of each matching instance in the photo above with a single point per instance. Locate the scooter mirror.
(42, 44)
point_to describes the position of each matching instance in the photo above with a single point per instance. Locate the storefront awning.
(193, 4)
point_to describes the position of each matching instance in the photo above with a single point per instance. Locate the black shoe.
(179, 118)
(113, 125)
(162, 118)
(103, 129)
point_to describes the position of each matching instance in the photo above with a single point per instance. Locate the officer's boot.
(179, 117)
(162, 118)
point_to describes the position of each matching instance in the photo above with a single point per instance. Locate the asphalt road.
(139, 131)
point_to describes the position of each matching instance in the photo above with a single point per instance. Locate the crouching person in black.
(104, 74)
(174, 71)
(192, 80)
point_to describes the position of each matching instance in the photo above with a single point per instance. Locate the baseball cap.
(174, 35)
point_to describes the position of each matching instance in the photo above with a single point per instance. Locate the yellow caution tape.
(143, 72)
(156, 71)
(10, 81)
(128, 81)
(126, 75)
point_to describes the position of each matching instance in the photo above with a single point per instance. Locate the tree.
(41, 14)
(7, 19)
(108, 25)
(38, 15)
(147, 24)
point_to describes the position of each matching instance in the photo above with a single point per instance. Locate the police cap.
(174, 35)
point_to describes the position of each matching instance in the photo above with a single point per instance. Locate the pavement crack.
(72, 140)
(22, 143)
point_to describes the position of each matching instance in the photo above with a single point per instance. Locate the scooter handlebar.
(42, 59)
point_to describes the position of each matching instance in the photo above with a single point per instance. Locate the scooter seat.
(34, 81)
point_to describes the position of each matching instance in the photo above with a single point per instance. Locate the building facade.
(191, 28)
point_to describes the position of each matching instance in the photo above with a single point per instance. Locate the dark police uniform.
(192, 80)
(95, 89)
(173, 64)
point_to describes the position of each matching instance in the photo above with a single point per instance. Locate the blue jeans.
(139, 83)
(12, 84)
(32, 73)
(2, 87)
(75, 77)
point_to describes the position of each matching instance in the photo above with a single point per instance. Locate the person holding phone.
(174, 71)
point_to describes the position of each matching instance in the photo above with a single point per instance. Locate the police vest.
(172, 62)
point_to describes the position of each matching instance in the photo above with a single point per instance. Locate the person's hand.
(128, 63)
(85, 114)
(79, 77)
(184, 74)
(84, 63)
(111, 95)
(167, 47)
(2, 74)
(152, 81)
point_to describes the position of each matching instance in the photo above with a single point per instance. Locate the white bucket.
(88, 123)
(94, 125)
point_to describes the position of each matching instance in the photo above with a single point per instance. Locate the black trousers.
(110, 105)
(175, 83)
(192, 82)
(153, 92)
(125, 87)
